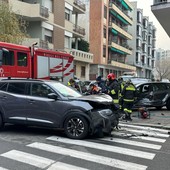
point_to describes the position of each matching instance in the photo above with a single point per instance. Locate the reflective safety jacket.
(129, 92)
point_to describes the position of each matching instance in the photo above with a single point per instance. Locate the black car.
(153, 94)
(51, 104)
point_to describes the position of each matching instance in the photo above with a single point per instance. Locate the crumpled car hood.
(99, 98)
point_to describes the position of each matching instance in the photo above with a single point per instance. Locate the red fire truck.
(19, 61)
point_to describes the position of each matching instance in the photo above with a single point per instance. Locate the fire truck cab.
(19, 61)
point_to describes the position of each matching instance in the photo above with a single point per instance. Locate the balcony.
(161, 10)
(120, 49)
(119, 14)
(31, 12)
(78, 29)
(40, 43)
(78, 6)
(80, 55)
(120, 30)
(122, 66)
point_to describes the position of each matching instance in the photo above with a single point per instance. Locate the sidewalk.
(160, 119)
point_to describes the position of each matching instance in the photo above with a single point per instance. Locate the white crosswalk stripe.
(88, 156)
(121, 150)
(146, 148)
(1, 168)
(64, 166)
(133, 143)
(31, 159)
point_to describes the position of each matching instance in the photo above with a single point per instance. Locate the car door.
(145, 92)
(159, 93)
(13, 101)
(40, 109)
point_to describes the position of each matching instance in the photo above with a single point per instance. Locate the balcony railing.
(80, 4)
(44, 12)
(79, 29)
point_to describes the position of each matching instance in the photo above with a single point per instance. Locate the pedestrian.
(129, 94)
(113, 88)
(102, 84)
(71, 82)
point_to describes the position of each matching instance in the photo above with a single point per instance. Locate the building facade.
(53, 24)
(109, 21)
(143, 43)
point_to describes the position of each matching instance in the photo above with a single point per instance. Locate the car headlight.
(105, 112)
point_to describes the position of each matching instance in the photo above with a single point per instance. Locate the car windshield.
(65, 90)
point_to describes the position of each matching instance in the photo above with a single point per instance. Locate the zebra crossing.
(132, 141)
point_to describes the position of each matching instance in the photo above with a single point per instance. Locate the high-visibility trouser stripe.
(126, 110)
(115, 101)
(128, 100)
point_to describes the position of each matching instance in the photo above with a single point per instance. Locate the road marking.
(64, 166)
(27, 158)
(1, 168)
(133, 143)
(115, 149)
(145, 132)
(130, 135)
(88, 156)
(144, 128)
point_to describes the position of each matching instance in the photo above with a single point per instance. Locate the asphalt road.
(131, 147)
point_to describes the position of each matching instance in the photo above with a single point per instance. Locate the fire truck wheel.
(76, 127)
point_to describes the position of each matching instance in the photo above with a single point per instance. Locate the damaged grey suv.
(51, 104)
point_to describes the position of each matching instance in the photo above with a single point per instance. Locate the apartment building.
(162, 54)
(109, 21)
(53, 24)
(161, 10)
(143, 43)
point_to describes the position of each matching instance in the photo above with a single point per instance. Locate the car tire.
(159, 107)
(168, 104)
(76, 127)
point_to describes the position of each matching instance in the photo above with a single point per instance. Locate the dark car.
(51, 104)
(153, 94)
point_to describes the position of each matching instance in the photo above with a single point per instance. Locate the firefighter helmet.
(111, 76)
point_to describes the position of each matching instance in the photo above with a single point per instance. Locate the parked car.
(51, 104)
(153, 94)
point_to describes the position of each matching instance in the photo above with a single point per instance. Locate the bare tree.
(163, 68)
(12, 29)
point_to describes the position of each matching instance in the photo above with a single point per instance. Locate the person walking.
(129, 94)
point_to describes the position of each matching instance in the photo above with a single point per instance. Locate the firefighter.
(71, 83)
(128, 94)
(121, 86)
(94, 89)
(102, 84)
(113, 88)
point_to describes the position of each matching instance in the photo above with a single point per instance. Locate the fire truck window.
(22, 59)
(17, 88)
(8, 58)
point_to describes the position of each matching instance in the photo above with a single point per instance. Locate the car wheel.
(168, 104)
(76, 127)
(159, 107)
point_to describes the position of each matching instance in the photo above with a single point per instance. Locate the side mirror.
(52, 96)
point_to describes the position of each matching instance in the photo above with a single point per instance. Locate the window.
(105, 12)
(17, 88)
(40, 90)
(139, 43)
(3, 86)
(22, 59)
(48, 36)
(83, 71)
(67, 42)
(104, 33)
(139, 31)
(104, 51)
(67, 14)
(8, 58)
(139, 17)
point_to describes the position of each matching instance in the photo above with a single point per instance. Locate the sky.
(162, 39)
